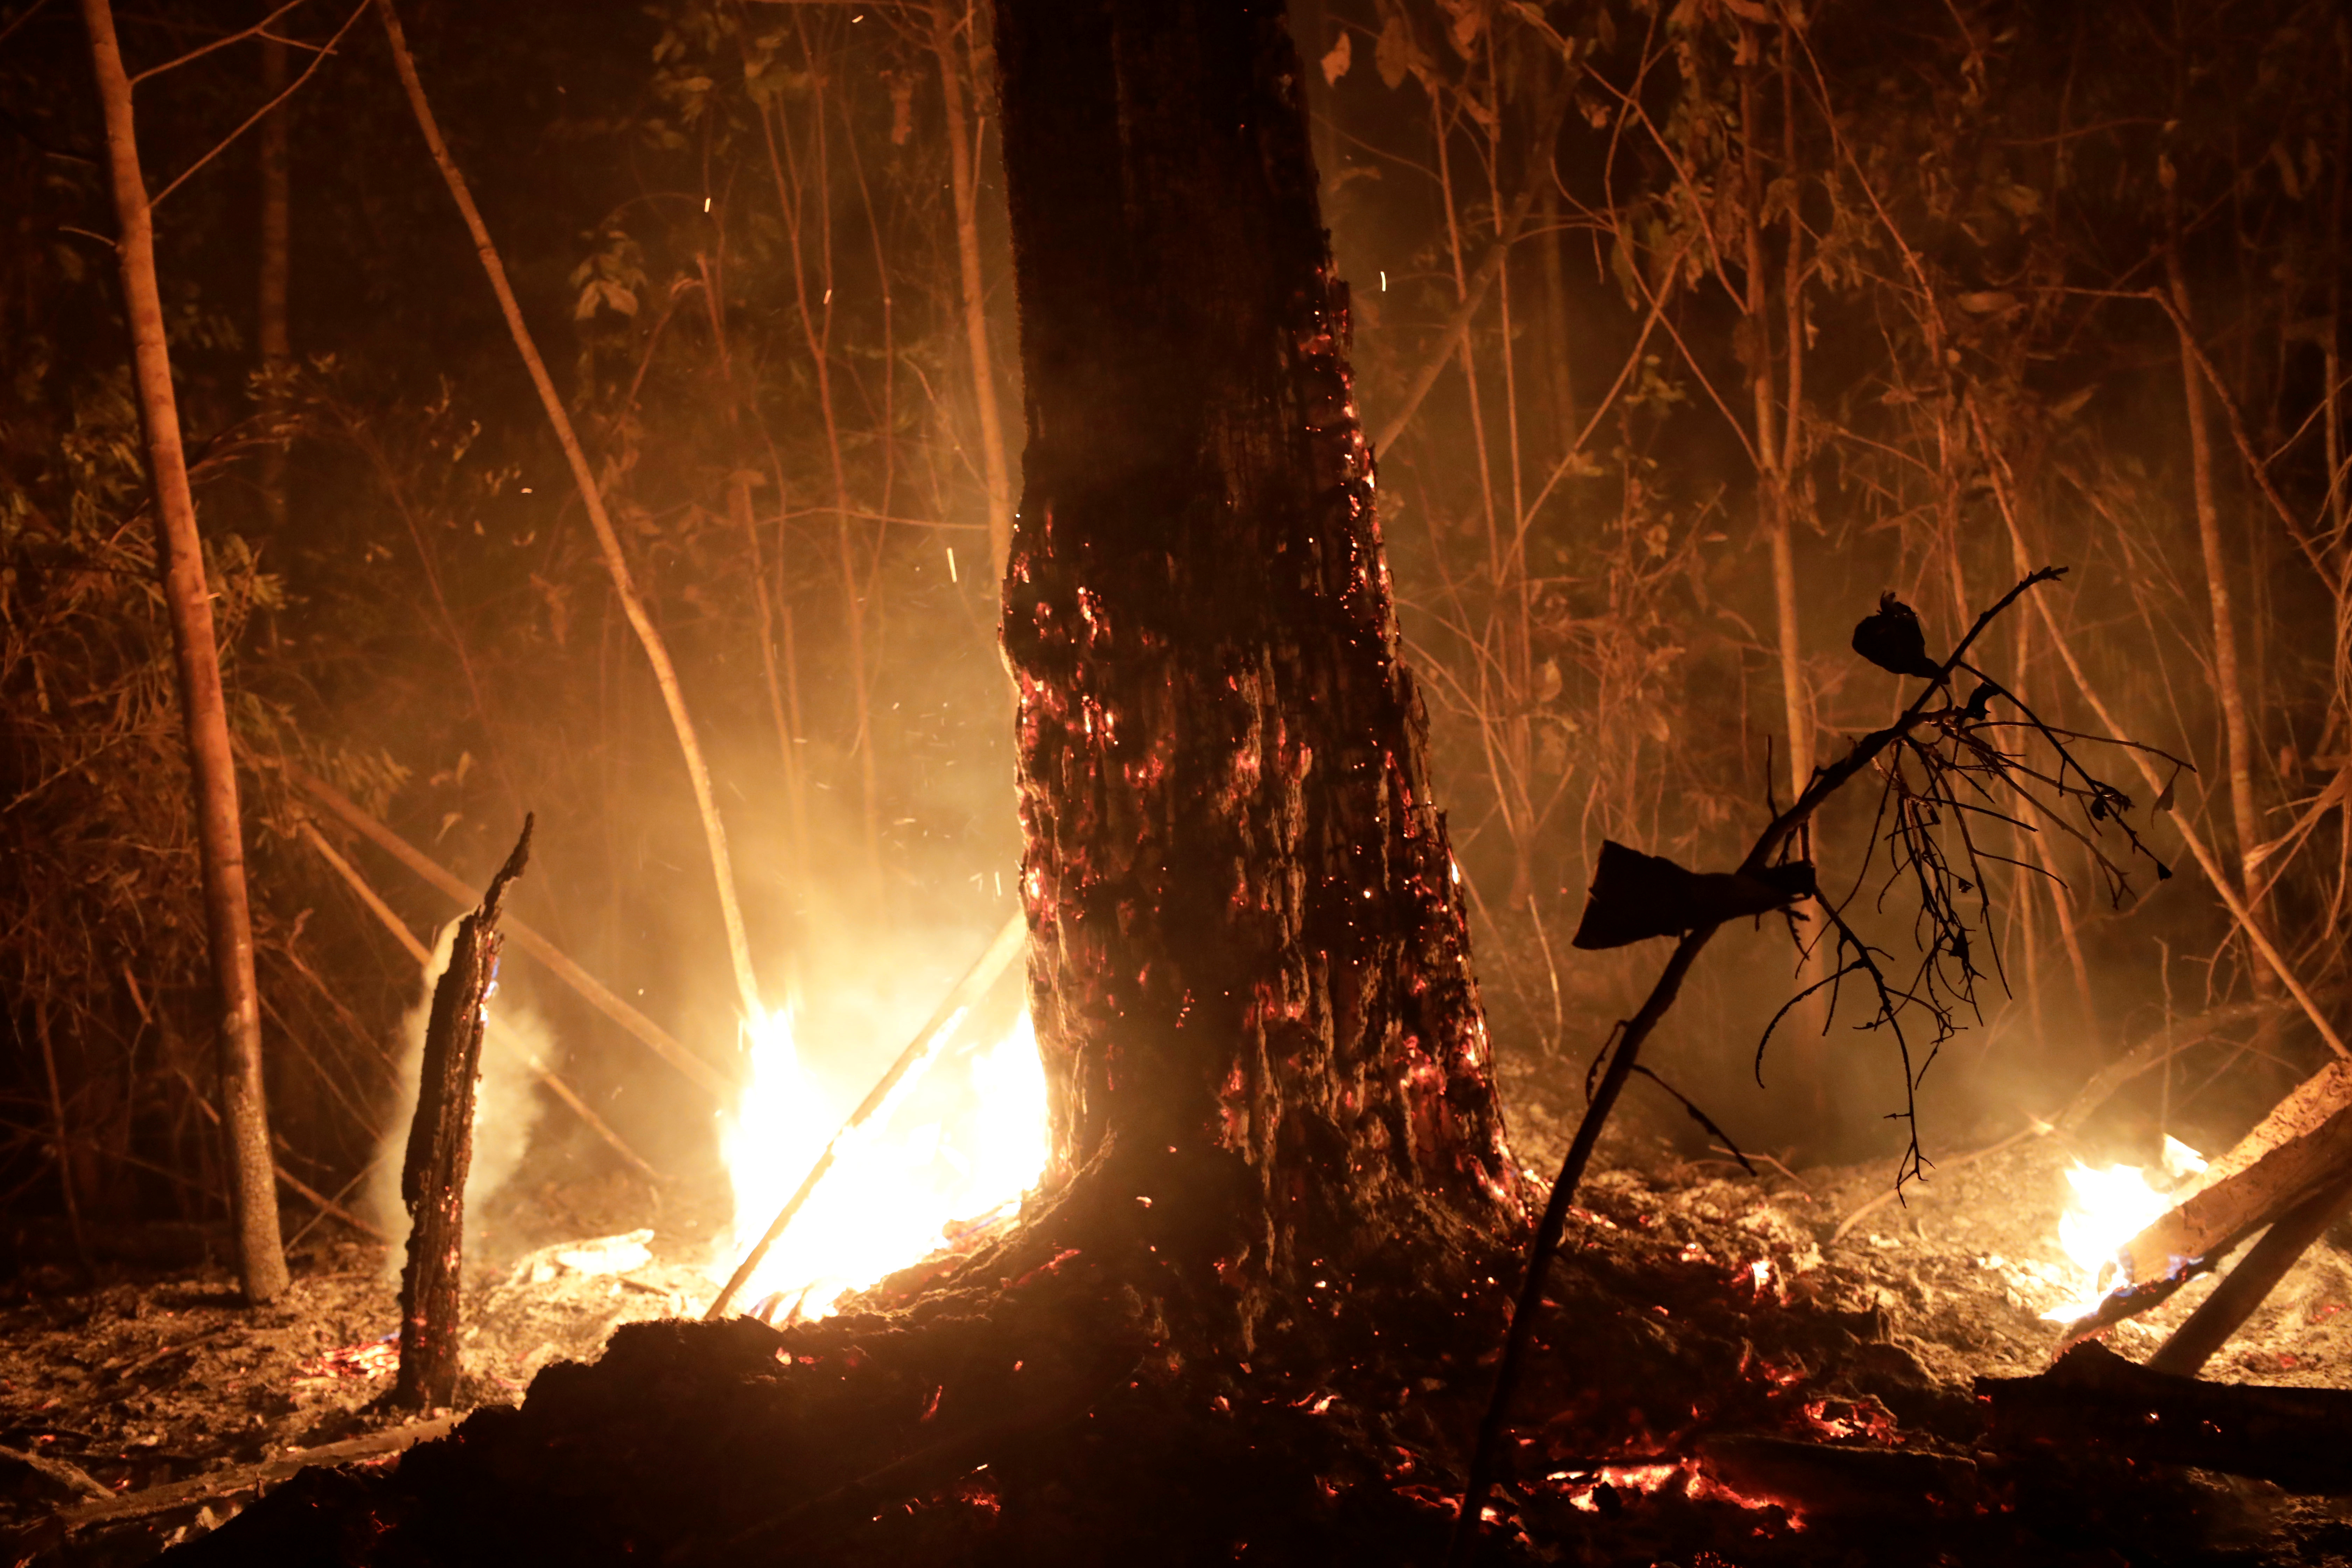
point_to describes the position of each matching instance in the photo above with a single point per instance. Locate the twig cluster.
(1944, 775)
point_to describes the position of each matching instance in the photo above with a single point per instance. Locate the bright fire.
(2109, 1208)
(961, 1137)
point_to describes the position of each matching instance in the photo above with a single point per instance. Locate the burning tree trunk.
(441, 1149)
(1250, 970)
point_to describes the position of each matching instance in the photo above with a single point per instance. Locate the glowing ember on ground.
(1643, 1478)
(2107, 1209)
(957, 1144)
(372, 1358)
(1582, 1487)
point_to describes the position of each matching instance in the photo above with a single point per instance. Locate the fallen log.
(2234, 1300)
(2300, 1438)
(441, 1150)
(58, 1473)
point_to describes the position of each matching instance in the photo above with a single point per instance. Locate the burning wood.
(2297, 1148)
(993, 1150)
(2302, 1150)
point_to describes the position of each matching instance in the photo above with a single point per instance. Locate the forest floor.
(155, 1373)
(1701, 1312)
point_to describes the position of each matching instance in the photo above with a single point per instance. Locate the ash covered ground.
(1702, 1318)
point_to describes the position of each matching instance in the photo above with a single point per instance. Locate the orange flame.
(2108, 1208)
(957, 1144)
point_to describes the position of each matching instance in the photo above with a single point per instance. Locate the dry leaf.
(1341, 56)
(1397, 53)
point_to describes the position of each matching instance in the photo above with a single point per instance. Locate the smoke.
(505, 1109)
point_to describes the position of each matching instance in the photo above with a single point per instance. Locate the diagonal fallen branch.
(244, 1478)
(592, 498)
(2234, 1300)
(658, 1040)
(500, 1030)
(2290, 1171)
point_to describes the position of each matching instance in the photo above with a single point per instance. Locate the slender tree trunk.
(1250, 968)
(816, 330)
(739, 507)
(61, 1140)
(1776, 437)
(1560, 370)
(1771, 474)
(966, 186)
(1796, 691)
(273, 337)
(616, 563)
(2228, 688)
(2332, 441)
(188, 603)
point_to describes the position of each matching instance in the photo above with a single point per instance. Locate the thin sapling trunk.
(187, 599)
(591, 497)
(274, 339)
(965, 183)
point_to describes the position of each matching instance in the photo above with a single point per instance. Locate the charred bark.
(441, 1150)
(1250, 969)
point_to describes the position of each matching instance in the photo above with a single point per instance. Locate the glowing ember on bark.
(2107, 1209)
(955, 1146)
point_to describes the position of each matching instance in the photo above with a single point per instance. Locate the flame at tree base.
(959, 1143)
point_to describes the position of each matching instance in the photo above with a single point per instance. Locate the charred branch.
(441, 1150)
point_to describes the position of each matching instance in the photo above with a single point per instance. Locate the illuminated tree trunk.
(954, 57)
(187, 599)
(1250, 970)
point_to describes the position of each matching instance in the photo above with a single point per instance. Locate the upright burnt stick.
(441, 1150)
